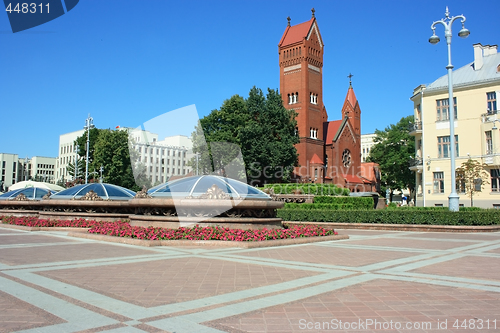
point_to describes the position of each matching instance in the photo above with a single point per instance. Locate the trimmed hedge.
(334, 203)
(355, 202)
(316, 189)
(407, 208)
(429, 217)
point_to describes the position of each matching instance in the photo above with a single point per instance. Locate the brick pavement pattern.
(375, 281)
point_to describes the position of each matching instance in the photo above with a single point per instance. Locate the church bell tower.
(301, 86)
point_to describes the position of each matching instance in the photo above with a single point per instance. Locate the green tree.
(216, 132)
(268, 139)
(393, 150)
(111, 151)
(471, 178)
(259, 126)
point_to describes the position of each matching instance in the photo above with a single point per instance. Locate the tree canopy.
(109, 149)
(471, 178)
(393, 150)
(259, 127)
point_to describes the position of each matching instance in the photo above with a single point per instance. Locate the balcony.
(416, 164)
(415, 128)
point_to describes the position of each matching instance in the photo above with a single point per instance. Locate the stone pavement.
(374, 281)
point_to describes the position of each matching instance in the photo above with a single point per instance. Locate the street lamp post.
(89, 124)
(447, 22)
(76, 164)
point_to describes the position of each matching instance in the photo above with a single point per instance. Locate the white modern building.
(161, 159)
(166, 158)
(43, 168)
(366, 145)
(9, 165)
(15, 169)
(67, 154)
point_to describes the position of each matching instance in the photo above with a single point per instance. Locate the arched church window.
(346, 158)
(289, 99)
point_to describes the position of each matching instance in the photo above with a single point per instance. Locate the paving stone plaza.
(374, 281)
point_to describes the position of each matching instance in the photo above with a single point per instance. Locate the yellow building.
(476, 88)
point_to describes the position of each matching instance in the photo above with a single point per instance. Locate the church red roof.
(355, 179)
(296, 33)
(316, 160)
(351, 97)
(331, 129)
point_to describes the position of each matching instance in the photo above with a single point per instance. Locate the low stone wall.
(295, 198)
(158, 212)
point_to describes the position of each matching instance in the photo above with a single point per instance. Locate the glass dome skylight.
(32, 193)
(103, 190)
(198, 185)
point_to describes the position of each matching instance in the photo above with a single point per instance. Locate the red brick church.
(329, 151)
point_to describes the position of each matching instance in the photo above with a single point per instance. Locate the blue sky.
(128, 61)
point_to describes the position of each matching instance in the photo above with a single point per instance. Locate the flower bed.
(124, 229)
(33, 221)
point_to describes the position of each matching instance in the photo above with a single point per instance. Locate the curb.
(214, 243)
(402, 227)
(25, 228)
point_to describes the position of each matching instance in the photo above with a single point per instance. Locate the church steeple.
(351, 108)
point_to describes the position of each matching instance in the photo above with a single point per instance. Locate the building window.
(492, 102)
(313, 133)
(489, 143)
(495, 180)
(459, 183)
(346, 158)
(313, 98)
(444, 146)
(438, 182)
(293, 98)
(443, 112)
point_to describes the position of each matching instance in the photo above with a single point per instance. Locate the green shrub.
(392, 206)
(325, 206)
(428, 217)
(351, 202)
(310, 188)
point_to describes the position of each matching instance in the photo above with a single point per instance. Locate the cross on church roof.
(312, 10)
(350, 81)
(289, 19)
